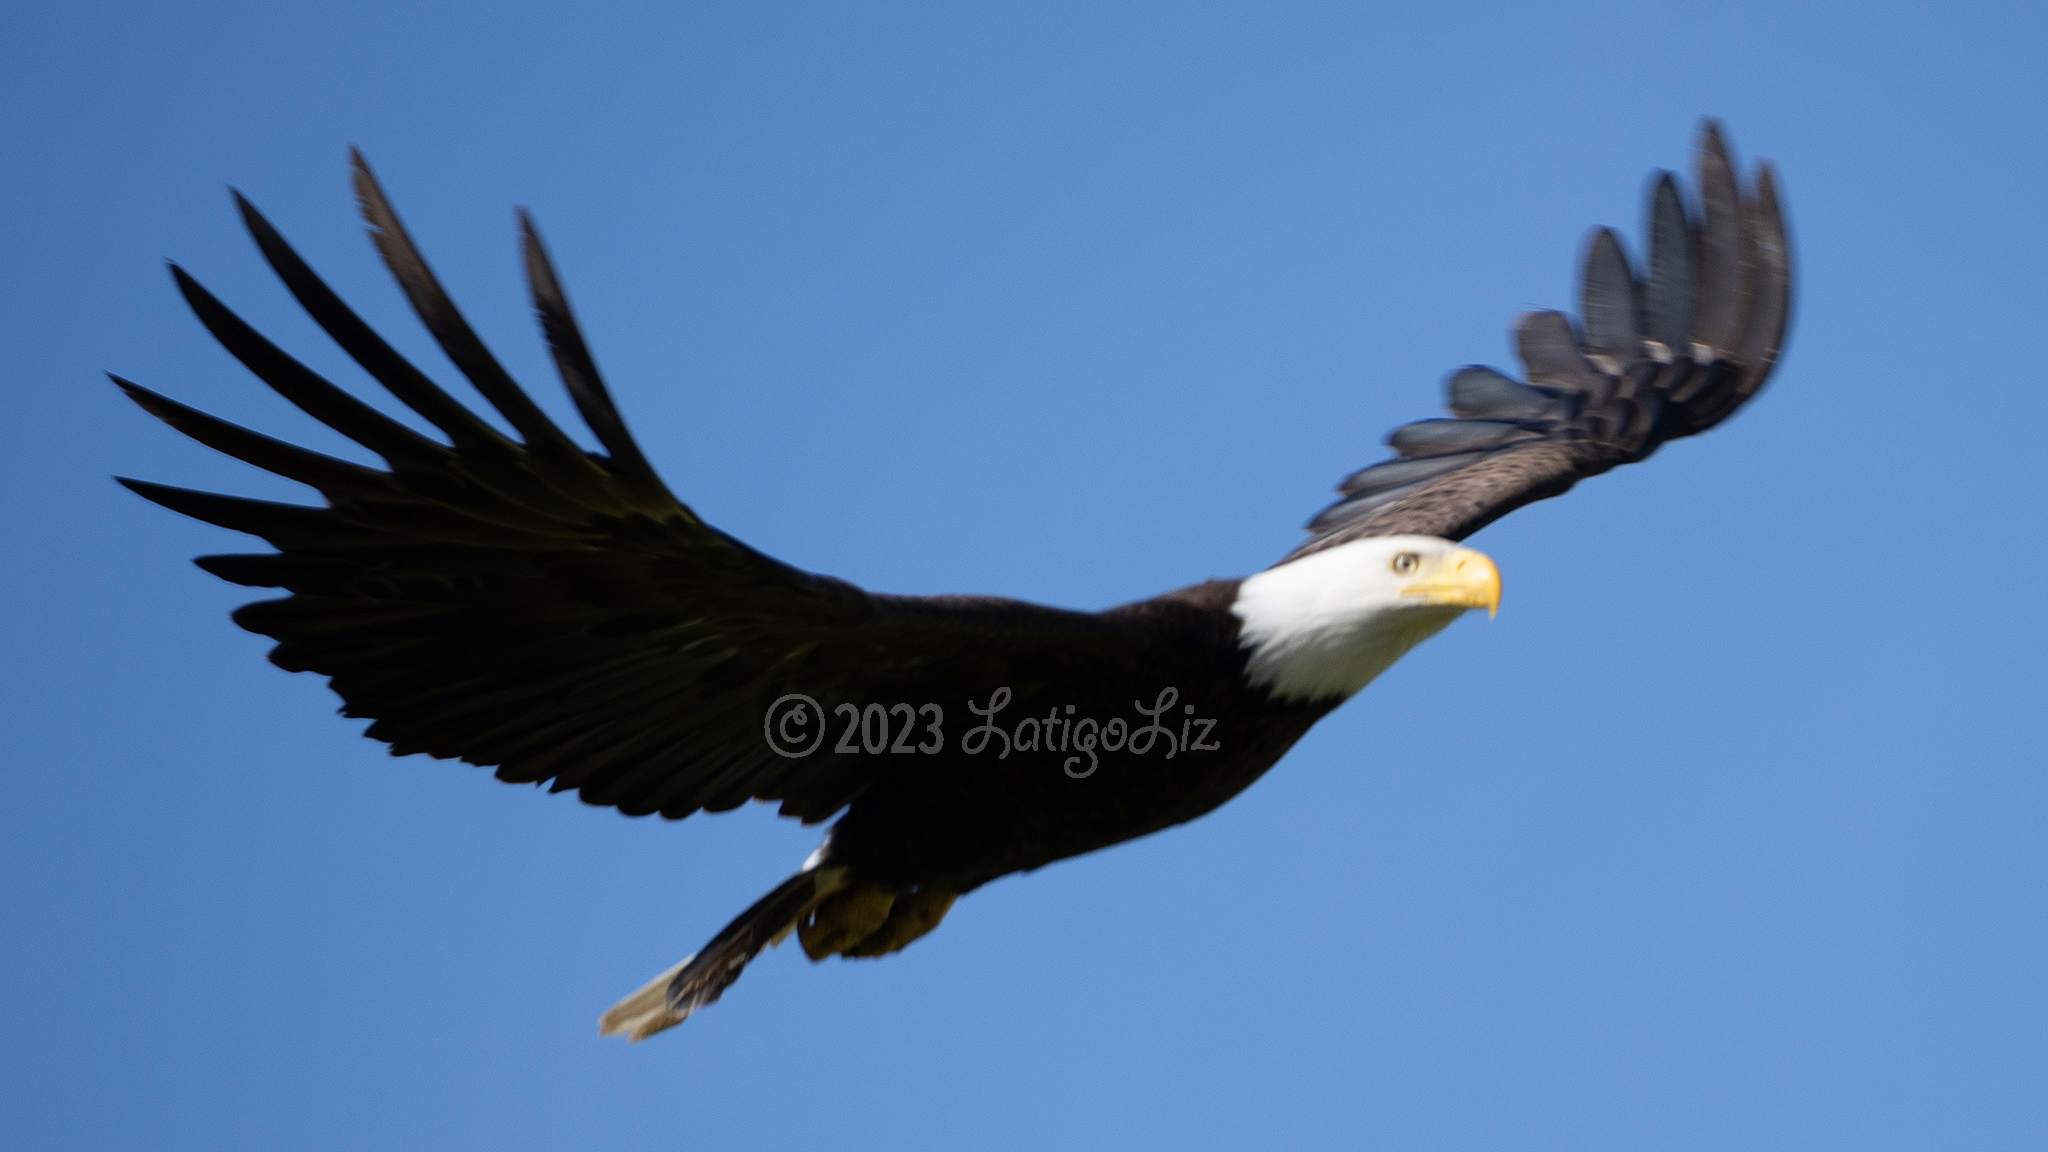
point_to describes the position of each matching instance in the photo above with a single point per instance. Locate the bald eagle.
(521, 603)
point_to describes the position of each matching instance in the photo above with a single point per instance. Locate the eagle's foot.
(844, 919)
(871, 920)
(913, 916)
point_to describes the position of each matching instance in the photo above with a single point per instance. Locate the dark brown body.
(959, 820)
(964, 823)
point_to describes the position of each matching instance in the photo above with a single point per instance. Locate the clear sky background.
(1731, 832)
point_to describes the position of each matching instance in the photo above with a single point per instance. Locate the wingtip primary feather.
(1713, 133)
(1770, 300)
(1550, 352)
(573, 361)
(360, 174)
(1720, 289)
(1667, 296)
(330, 475)
(1610, 299)
(371, 204)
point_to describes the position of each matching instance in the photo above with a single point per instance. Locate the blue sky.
(1727, 833)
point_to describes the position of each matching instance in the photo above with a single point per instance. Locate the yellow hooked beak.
(1461, 578)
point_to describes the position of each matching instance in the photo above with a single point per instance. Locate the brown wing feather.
(1714, 312)
(558, 614)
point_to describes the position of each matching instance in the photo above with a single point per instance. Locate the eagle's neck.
(1325, 625)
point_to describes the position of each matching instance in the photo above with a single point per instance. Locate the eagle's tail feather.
(668, 999)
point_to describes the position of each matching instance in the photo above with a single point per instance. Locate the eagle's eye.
(1405, 563)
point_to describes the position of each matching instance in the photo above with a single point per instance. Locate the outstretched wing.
(556, 613)
(1657, 355)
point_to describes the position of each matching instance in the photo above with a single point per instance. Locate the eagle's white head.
(1326, 624)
